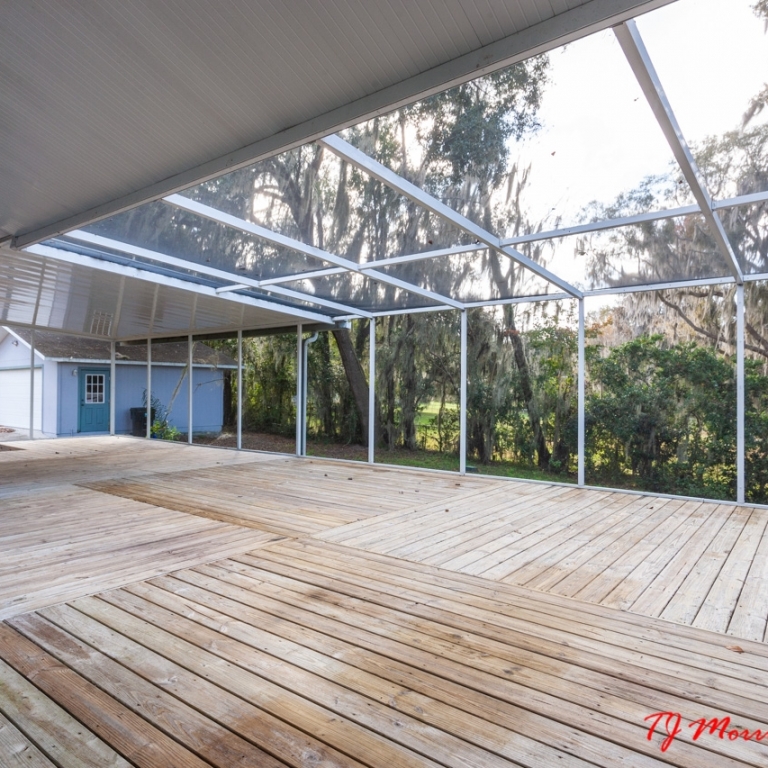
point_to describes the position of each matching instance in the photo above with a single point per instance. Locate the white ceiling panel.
(107, 104)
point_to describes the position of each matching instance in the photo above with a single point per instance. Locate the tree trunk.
(542, 452)
(408, 388)
(355, 376)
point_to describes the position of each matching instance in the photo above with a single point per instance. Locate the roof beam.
(603, 224)
(214, 214)
(559, 30)
(535, 237)
(634, 49)
(368, 165)
(219, 274)
(670, 285)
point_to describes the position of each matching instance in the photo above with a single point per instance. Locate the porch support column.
(112, 387)
(149, 388)
(190, 388)
(32, 385)
(581, 390)
(299, 387)
(740, 396)
(463, 397)
(372, 391)
(239, 390)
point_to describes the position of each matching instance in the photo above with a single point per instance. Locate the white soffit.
(36, 291)
(108, 104)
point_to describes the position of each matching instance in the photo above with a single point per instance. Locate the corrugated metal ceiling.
(36, 291)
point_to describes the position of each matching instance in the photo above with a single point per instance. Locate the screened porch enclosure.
(496, 278)
(417, 364)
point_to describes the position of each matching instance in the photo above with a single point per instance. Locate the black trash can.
(139, 421)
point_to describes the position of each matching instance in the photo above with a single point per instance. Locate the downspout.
(305, 354)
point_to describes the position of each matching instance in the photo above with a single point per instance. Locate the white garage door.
(14, 398)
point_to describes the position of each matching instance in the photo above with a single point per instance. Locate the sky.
(598, 137)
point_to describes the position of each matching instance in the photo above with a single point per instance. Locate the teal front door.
(94, 400)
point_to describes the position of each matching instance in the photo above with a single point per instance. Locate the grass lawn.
(420, 459)
(429, 411)
(450, 462)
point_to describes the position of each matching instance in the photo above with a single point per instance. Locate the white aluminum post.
(239, 390)
(463, 397)
(305, 392)
(112, 387)
(149, 388)
(190, 388)
(740, 395)
(372, 391)
(32, 385)
(299, 387)
(581, 390)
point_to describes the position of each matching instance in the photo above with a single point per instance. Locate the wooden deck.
(193, 607)
(696, 563)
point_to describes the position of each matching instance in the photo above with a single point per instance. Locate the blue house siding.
(131, 381)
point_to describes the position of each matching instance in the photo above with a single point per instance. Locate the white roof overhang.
(111, 105)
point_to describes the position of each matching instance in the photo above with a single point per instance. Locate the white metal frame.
(558, 30)
(275, 238)
(239, 390)
(639, 60)
(373, 168)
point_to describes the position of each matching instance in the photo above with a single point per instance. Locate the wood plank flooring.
(174, 606)
(292, 497)
(697, 563)
(310, 653)
(49, 463)
(56, 545)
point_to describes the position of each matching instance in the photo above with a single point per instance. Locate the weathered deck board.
(51, 727)
(289, 496)
(308, 652)
(266, 610)
(49, 463)
(58, 544)
(693, 562)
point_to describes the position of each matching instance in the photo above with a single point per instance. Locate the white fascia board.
(25, 343)
(143, 364)
(559, 30)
